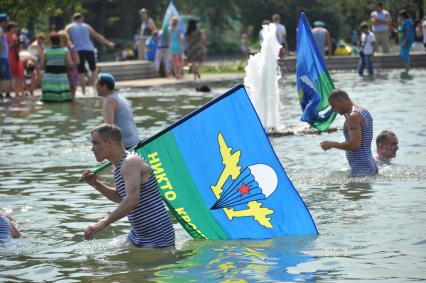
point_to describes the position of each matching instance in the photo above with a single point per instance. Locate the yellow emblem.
(233, 170)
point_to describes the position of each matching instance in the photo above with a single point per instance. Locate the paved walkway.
(186, 81)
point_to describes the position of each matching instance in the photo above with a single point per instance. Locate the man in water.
(8, 230)
(136, 192)
(358, 132)
(387, 145)
(322, 38)
(116, 109)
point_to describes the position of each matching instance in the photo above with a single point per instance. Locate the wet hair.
(10, 26)
(108, 131)
(383, 137)
(54, 38)
(77, 17)
(338, 94)
(404, 14)
(192, 26)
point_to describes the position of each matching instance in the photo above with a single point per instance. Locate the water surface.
(370, 228)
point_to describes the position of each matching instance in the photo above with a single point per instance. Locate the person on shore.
(176, 47)
(381, 20)
(56, 61)
(5, 75)
(37, 47)
(424, 31)
(147, 29)
(322, 38)
(116, 109)
(281, 34)
(244, 46)
(162, 56)
(8, 229)
(72, 72)
(406, 37)
(16, 68)
(418, 36)
(367, 47)
(80, 34)
(136, 192)
(358, 132)
(196, 52)
(386, 147)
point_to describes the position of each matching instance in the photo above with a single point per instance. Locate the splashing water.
(261, 79)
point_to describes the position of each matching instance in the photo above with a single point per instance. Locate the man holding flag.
(136, 192)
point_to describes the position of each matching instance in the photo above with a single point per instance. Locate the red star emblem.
(244, 189)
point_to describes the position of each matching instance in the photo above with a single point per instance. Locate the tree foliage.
(120, 19)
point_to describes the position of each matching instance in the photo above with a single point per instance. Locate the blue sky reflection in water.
(370, 228)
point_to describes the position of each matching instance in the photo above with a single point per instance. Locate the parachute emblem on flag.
(248, 187)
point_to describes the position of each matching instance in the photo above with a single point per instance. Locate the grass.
(236, 66)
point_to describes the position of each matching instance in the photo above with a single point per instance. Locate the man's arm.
(328, 41)
(109, 111)
(151, 25)
(109, 192)
(133, 175)
(1, 39)
(100, 38)
(353, 122)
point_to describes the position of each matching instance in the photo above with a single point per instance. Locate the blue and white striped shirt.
(5, 229)
(361, 160)
(123, 118)
(151, 225)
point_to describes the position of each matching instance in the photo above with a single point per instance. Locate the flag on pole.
(313, 82)
(220, 176)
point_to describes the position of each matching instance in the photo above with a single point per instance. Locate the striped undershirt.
(123, 118)
(151, 225)
(361, 160)
(5, 229)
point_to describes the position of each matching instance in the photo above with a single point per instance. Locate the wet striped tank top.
(361, 160)
(151, 225)
(5, 231)
(123, 118)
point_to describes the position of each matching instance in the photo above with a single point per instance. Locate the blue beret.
(107, 78)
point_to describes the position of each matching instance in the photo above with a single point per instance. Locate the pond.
(370, 228)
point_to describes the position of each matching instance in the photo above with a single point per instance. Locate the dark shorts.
(5, 74)
(88, 56)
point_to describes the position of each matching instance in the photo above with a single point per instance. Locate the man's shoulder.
(133, 161)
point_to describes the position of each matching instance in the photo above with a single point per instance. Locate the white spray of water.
(261, 79)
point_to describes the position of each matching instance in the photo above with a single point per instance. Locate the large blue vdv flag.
(220, 176)
(313, 81)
